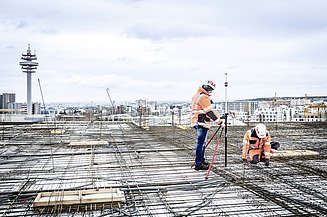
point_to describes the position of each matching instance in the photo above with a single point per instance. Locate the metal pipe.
(226, 120)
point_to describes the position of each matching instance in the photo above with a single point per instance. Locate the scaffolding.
(314, 110)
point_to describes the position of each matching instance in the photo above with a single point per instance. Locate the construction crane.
(318, 109)
(112, 104)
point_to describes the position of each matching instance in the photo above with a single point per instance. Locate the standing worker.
(256, 145)
(202, 113)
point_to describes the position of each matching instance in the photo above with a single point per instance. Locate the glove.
(220, 122)
(266, 162)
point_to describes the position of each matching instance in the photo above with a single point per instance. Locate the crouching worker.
(256, 145)
(202, 113)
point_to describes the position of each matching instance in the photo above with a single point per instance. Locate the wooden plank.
(185, 127)
(294, 153)
(88, 143)
(57, 131)
(113, 195)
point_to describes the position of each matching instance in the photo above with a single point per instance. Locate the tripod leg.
(213, 158)
(212, 137)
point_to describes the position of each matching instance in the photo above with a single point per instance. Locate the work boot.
(201, 167)
(206, 163)
(267, 163)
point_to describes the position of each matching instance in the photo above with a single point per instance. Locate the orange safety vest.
(201, 106)
(252, 142)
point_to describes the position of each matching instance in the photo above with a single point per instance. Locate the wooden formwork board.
(92, 196)
(58, 131)
(294, 153)
(88, 143)
(185, 127)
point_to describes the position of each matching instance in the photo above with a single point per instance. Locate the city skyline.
(164, 50)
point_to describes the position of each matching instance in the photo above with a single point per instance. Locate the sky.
(164, 50)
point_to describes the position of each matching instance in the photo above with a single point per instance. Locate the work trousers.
(255, 155)
(201, 133)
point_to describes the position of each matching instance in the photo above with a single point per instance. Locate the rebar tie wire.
(206, 201)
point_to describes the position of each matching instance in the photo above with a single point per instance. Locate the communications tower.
(29, 67)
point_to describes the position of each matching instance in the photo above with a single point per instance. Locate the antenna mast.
(29, 67)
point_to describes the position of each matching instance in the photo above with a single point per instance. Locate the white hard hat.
(209, 83)
(261, 130)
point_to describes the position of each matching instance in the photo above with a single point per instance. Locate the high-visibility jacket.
(202, 110)
(252, 142)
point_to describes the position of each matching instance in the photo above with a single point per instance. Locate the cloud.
(48, 31)
(161, 30)
(162, 49)
(21, 25)
(10, 47)
(124, 88)
(104, 81)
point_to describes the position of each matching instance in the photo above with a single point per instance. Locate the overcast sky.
(164, 49)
